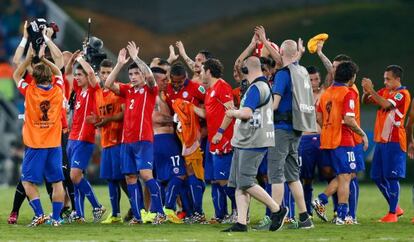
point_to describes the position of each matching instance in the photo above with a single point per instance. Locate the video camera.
(92, 49)
(35, 29)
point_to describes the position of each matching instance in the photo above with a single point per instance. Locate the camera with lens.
(93, 49)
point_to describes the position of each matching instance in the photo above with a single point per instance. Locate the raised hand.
(181, 49)
(301, 47)
(319, 47)
(172, 57)
(260, 33)
(122, 59)
(133, 50)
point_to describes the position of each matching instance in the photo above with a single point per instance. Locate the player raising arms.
(42, 132)
(168, 163)
(138, 135)
(336, 116)
(110, 109)
(389, 161)
(82, 137)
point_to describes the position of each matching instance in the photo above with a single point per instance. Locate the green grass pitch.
(371, 207)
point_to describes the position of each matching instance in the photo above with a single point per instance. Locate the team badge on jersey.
(185, 94)
(398, 96)
(201, 89)
(141, 91)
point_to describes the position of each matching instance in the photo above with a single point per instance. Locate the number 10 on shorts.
(351, 156)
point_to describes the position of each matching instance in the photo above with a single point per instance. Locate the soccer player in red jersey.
(82, 137)
(389, 161)
(188, 90)
(138, 135)
(219, 98)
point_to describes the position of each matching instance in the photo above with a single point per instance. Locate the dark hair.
(79, 67)
(396, 70)
(342, 57)
(178, 69)
(163, 62)
(206, 53)
(133, 65)
(345, 71)
(215, 67)
(106, 63)
(312, 70)
(42, 74)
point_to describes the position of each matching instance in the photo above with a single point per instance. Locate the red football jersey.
(191, 91)
(85, 106)
(139, 105)
(216, 97)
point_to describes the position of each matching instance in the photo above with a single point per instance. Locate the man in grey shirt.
(253, 134)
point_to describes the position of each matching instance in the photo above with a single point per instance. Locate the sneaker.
(128, 216)
(335, 216)
(307, 224)
(78, 219)
(181, 215)
(237, 227)
(199, 218)
(355, 221)
(13, 218)
(389, 218)
(233, 217)
(320, 209)
(134, 221)
(159, 218)
(147, 217)
(38, 220)
(216, 221)
(399, 211)
(290, 220)
(264, 224)
(66, 211)
(98, 213)
(228, 219)
(172, 217)
(55, 223)
(278, 219)
(188, 219)
(112, 220)
(339, 221)
(349, 220)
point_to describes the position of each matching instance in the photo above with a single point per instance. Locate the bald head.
(253, 64)
(289, 49)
